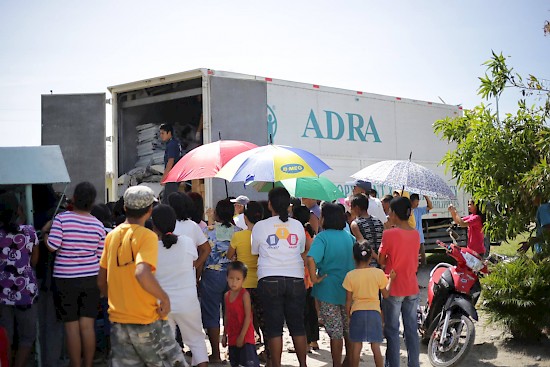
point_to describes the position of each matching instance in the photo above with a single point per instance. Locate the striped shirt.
(78, 240)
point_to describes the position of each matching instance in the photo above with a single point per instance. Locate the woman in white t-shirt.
(279, 241)
(176, 275)
(184, 207)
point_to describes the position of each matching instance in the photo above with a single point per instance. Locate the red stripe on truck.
(268, 79)
(315, 86)
(358, 92)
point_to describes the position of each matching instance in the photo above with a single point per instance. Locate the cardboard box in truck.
(348, 129)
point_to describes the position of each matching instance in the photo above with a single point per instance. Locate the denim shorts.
(282, 298)
(212, 288)
(366, 326)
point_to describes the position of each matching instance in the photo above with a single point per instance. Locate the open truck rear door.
(76, 122)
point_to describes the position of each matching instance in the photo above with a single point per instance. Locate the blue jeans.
(212, 288)
(406, 307)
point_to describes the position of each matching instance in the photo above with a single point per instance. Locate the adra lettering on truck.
(355, 128)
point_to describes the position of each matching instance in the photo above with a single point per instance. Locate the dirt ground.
(492, 347)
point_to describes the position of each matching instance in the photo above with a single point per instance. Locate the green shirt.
(332, 251)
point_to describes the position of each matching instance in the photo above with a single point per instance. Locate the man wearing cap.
(240, 202)
(375, 205)
(138, 306)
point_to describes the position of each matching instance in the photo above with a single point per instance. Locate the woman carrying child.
(176, 275)
(213, 284)
(238, 331)
(363, 303)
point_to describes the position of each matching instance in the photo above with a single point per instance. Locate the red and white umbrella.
(206, 160)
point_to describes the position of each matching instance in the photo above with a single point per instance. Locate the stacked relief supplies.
(150, 149)
(150, 161)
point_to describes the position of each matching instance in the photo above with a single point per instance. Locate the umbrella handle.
(403, 189)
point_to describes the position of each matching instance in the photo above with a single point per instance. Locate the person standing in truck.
(172, 155)
(418, 212)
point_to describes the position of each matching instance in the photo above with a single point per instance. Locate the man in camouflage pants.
(138, 306)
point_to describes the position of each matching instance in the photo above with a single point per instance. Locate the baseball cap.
(365, 185)
(138, 197)
(241, 199)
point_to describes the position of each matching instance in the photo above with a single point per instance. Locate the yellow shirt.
(242, 244)
(129, 303)
(365, 284)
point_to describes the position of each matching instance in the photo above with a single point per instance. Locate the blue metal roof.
(32, 165)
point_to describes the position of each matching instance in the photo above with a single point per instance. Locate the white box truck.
(348, 129)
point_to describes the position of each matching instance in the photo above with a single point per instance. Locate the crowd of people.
(160, 275)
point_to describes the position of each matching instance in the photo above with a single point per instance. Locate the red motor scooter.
(445, 323)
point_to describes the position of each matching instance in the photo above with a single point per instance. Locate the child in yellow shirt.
(363, 304)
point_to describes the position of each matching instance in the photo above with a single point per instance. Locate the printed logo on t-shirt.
(272, 242)
(282, 234)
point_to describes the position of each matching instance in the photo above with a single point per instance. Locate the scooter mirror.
(453, 234)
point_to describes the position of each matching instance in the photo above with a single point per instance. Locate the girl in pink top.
(399, 252)
(474, 222)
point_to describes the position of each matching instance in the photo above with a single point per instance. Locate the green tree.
(503, 163)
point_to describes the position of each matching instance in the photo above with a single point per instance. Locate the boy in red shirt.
(238, 330)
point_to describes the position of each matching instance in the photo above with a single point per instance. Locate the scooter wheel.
(457, 343)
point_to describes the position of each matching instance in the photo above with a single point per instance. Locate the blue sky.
(415, 49)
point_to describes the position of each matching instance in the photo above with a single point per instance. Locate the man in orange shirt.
(138, 306)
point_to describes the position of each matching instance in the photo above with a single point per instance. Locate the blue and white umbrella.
(410, 176)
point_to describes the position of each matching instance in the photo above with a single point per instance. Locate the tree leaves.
(502, 163)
